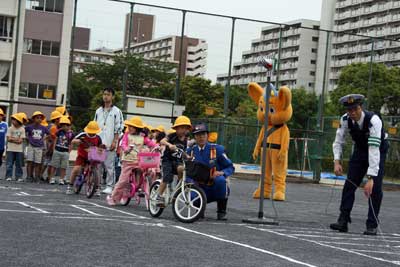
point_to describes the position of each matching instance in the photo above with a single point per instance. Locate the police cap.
(351, 100)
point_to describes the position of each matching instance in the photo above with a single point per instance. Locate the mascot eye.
(272, 110)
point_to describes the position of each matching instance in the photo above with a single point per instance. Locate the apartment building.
(83, 58)
(167, 49)
(34, 53)
(379, 18)
(299, 47)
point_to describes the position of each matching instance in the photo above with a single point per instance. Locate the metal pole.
(14, 68)
(71, 58)
(278, 67)
(228, 82)
(370, 74)
(178, 80)
(127, 57)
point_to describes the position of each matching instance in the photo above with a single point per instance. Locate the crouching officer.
(221, 167)
(369, 153)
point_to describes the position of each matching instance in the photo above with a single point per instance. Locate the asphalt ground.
(42, 226)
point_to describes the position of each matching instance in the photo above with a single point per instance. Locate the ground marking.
(104, 207)
(32, 207)
(245, 245)
(85, 210)
(108, 219)
(324, 245)
(343, 237)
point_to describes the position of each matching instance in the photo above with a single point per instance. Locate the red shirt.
(87, 142)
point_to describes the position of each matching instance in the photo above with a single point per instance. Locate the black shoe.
(221, 216)
(221, 209)
(340, 226)
(370, 231)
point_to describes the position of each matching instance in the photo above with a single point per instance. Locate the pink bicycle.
(147, 161)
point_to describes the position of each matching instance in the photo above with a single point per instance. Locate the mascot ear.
(255, 92)
(285, 97)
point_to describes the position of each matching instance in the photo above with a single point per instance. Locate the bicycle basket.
(96, 154)
(149, 159)
(198, 171)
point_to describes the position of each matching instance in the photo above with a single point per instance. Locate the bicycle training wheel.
(190, 204)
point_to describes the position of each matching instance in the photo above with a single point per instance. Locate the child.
(170, 163)
(89, 137)
(37, 134)
(133, 142)
(61, 149)
(15, 138)
(46, 153)
(53, 128)
(3, 131)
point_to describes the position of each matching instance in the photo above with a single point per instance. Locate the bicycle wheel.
(190, 204)
(78, 184)
(91, 184)
(125, 201)
(154, 210)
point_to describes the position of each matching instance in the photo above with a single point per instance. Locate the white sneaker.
(98, 192)
(9, 179)
(53, 180)
(69, 190)
(61, 182)
(20, 180)
(108, 190)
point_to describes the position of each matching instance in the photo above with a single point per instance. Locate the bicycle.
(89, 174)
(188, 199)
(139, 190)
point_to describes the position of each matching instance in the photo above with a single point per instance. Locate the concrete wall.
(8, 7)
(81, 38)
(39, 69)
(43, 25)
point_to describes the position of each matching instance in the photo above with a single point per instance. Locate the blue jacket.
(3, 133)
(222, 162)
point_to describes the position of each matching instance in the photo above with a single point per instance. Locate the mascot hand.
(256, 152)
(282, 155)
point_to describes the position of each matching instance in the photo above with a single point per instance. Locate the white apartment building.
(297, 60)
(379, 18)
(84, 58)
(38, 52)
(167, 49)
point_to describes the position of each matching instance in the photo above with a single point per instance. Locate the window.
(312, 73)
(313, 62)
(38, 47)
(6, 28)
(140, 103)
(315, 39)
(313, 50)
(46, 5)
(4, 72)
(37, 91)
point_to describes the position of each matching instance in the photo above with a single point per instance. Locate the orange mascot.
(280, 111)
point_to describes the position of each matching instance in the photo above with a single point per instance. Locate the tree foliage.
(385, 82)
(305, 106)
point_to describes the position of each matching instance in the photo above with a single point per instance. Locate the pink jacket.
(125, 142)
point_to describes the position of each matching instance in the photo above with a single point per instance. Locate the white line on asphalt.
(355, 244)
(109, 219)
(375, 251)
(32, 207)
(120, 211)
(85, 210)
(347, 238)
(24, 193)
(25, 211)
(245, 245)
(324, 245)
(19, 194)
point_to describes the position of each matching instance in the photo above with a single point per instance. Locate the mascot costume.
(280, 111)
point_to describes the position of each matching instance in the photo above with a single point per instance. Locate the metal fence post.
(71, 58)
(178, 80)
(127, 57)
(370, 74)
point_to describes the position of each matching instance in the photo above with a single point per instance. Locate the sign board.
(392, 130)
(335, 124)
(209, 111)
(48, 93)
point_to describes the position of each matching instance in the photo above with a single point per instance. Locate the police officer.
(221, 166)
(368, 157)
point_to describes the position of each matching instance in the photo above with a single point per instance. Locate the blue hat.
(200, 128)
(351, 100)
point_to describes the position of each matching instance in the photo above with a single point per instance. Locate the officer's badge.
(350, 100)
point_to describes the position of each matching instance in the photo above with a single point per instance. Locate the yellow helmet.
(65, 120)
(44, 123)
(159, 128)
(92, 128)
(19, 117)
(170, 131)
(1, 112)
(62, 110)
(38, 113)
(149, 127)
(212, 137)
(135, 122)
(23, 116)
(55, 115)
(182, 121)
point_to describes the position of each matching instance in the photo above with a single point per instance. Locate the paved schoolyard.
(41, 226)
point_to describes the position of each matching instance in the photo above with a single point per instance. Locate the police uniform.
(368, 158)
(218, 189)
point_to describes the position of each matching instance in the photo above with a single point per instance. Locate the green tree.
(305, 106)
(385, 82)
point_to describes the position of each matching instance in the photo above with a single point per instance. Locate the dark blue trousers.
(358, 167)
